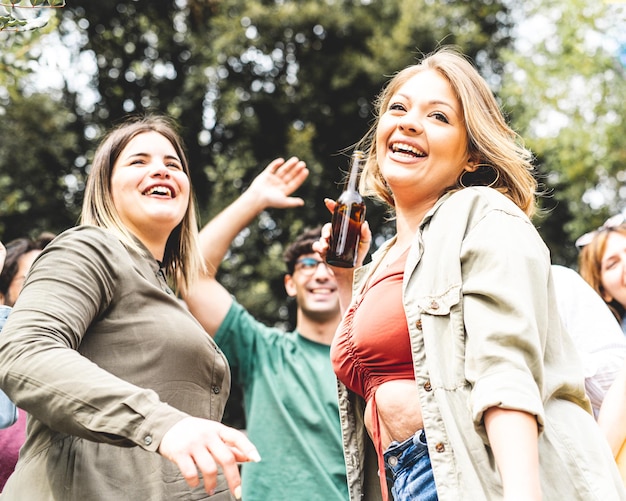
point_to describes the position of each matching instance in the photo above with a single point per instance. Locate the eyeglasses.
(610, 224)
(308, 265)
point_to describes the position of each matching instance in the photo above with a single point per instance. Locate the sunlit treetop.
(24, 15)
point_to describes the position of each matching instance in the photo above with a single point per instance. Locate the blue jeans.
(408, 469)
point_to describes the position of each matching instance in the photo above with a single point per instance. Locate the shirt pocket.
(443, 332)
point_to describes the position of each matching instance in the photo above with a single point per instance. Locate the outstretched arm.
(271, 188)
(208, 301)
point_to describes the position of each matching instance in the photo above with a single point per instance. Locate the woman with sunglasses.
(602, 263)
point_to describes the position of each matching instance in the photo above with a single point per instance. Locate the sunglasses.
(610, 224)
(308, 265)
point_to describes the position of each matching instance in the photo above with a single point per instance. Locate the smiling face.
(149, 188)
(613, 268)
(421, 140)
(314, 287)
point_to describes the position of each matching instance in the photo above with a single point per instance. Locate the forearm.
(513, 437)
(344, 278)
(271, 188)
(218, 234)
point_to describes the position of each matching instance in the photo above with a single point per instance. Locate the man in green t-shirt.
(289, 386)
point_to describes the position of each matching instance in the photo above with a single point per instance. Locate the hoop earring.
(461, 179)
(477, 177)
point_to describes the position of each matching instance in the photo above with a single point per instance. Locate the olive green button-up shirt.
(105, 359)
(485, 331)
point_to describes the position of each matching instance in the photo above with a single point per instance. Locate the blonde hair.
(492, 144)
(590, 266)
(182, 259)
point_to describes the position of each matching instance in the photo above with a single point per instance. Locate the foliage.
(23, 15)
(250, 80)
(36, 175)
(567, 94)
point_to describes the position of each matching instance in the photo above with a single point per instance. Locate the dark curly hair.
(15, 250)
(300, 246)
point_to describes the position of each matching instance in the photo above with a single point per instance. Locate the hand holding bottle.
(348, 216)
(343, 276)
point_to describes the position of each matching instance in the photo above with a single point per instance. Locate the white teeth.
(406, 148)
(159, 190)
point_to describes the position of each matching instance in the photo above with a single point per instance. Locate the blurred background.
(251, 80)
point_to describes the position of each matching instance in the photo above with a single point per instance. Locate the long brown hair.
(182, 258)
(590, 266)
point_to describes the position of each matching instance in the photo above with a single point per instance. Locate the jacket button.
(427, 386)
(434, 305)
(440, 447)
(215, 389)
(418, 324)
(147, 440)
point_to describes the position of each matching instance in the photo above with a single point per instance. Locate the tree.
(250, 80)
(24, 15)
(567, 95)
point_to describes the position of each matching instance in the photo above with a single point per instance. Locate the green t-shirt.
(292, 415)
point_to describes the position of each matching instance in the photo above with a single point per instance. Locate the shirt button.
(215, 389)
(427, 386)
(434, 305)
(440, 447)
(418, 324)
(147, 440)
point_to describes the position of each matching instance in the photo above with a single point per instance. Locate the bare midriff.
(399, 411)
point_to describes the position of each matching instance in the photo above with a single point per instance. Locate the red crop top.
(372, 344)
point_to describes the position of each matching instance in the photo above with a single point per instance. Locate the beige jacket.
(485, 331)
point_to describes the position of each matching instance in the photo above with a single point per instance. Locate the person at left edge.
(123, 387)
(20, 255)
(8, 411)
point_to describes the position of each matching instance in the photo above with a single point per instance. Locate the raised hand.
(278, 181)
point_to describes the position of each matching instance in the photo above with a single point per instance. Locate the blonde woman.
(458, 380)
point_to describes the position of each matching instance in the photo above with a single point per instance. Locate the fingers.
(273, 166)
(321, 246)
(293, 173)
(330, 204)
(240, 446)
(198, 446)
(278, 181)
(364, 243)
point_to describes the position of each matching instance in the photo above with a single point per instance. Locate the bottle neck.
(353, 176)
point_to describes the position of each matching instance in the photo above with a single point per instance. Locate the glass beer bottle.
(347, 219)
